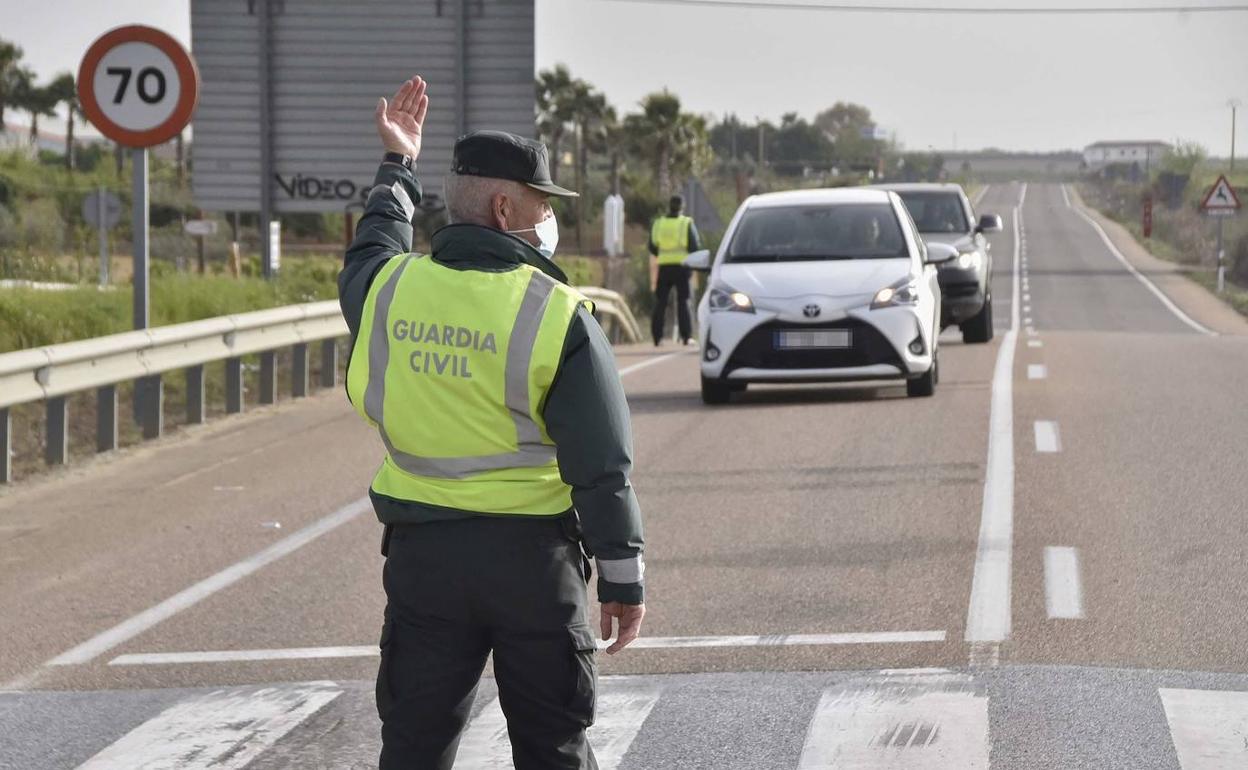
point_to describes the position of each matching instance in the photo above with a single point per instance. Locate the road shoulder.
(1191, 297)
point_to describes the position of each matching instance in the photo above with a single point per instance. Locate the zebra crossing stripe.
(928, 723)
(622, 707)
(1209, 728)
(220, 730)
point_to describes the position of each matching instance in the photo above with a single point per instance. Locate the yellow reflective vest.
(453, 367)
(671, 237)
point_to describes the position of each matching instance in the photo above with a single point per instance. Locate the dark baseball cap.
(502, 155)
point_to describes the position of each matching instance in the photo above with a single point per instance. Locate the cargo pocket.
(385, 697)
(584, 650)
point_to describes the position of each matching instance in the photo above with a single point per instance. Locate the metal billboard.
(311, 91)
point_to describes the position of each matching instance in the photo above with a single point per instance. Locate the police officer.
(501, 412)
(672, 239)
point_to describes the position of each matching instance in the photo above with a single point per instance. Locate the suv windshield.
(936, 212)
(818, 232)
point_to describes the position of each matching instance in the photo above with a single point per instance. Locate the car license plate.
(822, 339)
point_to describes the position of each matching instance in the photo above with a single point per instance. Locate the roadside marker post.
(139, 87)
(1221, 202)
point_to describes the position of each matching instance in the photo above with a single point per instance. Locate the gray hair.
(469, 198)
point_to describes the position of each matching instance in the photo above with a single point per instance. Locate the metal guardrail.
(612, 305)
(52, 373)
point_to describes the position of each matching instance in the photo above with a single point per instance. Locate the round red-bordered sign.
(144, 107)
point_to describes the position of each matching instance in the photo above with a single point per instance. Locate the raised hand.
(401, 121)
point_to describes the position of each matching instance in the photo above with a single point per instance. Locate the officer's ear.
(502, 210)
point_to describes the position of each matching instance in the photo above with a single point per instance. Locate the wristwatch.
(406, 161)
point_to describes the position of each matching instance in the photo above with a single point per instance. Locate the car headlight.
(969, 259)
(724, 299)
(904, 292)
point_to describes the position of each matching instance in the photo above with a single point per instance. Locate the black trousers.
(671, 277)
(457, 591)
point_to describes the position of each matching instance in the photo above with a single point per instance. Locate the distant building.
(1101, 154)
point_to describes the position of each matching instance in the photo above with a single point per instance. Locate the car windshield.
(936, 212)
(818, 232)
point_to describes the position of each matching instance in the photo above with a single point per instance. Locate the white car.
(818, 286)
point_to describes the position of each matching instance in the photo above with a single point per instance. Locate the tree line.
(648, 152)
(19, 90)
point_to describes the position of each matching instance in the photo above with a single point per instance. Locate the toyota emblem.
(811, 311)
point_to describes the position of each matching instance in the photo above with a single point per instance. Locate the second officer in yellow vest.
(672, 239)
(507, 453)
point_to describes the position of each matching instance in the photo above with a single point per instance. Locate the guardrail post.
(329, 363)
(299, 370)
(268, 377)
(195, 395)
(233, 385)
(153, 420)
(106, 418)
(6, 446)
(58, 431)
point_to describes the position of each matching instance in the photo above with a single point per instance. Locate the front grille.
(758, 349)
(959, 290)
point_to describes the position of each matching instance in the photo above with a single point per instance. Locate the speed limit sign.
(138, 86)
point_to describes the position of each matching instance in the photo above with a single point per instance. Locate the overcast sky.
(1016, 82)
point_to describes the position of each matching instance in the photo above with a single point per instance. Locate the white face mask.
(547, 235)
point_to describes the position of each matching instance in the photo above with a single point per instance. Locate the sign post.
(102, 210)
(139, 87)
(1221, 201)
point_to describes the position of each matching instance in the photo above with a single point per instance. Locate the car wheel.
(979, 329)
(715, 392)
(925, 384)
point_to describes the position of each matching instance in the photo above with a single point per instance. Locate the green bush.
(33, 318)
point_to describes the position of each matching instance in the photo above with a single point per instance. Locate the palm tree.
(65, 91)
(554, 90)
(588, 108)
(675, 141)
(38, 101)
(10, 58)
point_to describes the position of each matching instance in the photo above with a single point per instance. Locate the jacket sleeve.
(695, 242)
(384, 231)
(654, 247)
(587, 417)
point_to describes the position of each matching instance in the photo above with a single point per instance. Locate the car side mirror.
(940, 253)
(699, 260)
(990, 223)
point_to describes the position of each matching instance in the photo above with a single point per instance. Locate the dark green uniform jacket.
(586, 413)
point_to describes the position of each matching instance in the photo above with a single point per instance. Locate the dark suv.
(944, 214)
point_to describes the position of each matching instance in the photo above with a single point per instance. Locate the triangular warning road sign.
(1221, 197)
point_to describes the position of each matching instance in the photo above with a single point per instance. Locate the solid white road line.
(980, 196)
(1048, 438)
(1173, 308)
(128, 629)
(988, 616)
(132, 627)
(650, 362)
(651, 643)
(621, 708)
(1065, 197)
(1063, 591)
(1037, 372)
(900, 726)
(1209, 728)
(221, 730)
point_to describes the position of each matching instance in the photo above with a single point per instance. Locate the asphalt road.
(837, 576)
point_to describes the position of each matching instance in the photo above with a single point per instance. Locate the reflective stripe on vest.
(465, 482)
(671, 237)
